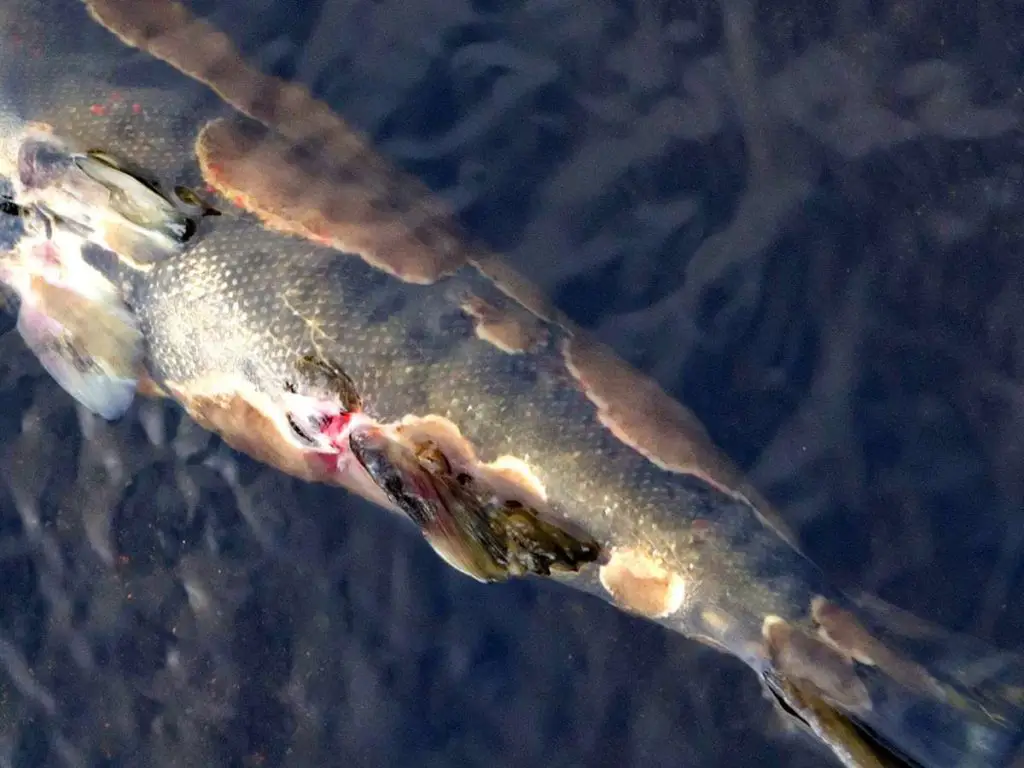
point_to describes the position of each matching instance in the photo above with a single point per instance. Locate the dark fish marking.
(10, 208)
(300, 431)
(323, 381)
(70, 349)
(474, 531)
(435, 462)
(190, 197)
(798, 703)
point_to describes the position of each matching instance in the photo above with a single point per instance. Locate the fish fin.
(849, 739)
(144, 227)
(137, 247)
(104, 386)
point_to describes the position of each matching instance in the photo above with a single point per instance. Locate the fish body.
(339, 328)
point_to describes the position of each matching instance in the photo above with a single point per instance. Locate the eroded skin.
(352, 264)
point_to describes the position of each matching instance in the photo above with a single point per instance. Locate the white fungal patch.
(516, 471)
(641, 585)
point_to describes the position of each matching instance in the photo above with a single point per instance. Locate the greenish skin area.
(251, 303)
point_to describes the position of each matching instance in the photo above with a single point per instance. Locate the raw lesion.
(476, 530)
(512, 331)
(324, 379)
(319, 400)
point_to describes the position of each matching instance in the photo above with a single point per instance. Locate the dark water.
(802, 218)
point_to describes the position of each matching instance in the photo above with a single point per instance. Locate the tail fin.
(933, 698)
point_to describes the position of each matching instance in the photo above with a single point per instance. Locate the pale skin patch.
(801, 656)
(511, 334)
(639, 413)
(517, 287)
(641, 585)
(368, 214)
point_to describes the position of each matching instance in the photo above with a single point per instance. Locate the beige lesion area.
(511, 332)
(640, 414)
(358, 206)
(843, 632)
(640, 584)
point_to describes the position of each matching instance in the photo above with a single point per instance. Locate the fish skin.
(226, 322)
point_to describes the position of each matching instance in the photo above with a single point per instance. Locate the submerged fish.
(339, 328)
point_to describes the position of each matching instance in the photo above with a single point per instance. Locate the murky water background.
(803, 219)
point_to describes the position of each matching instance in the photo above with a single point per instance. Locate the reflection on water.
(803, 221)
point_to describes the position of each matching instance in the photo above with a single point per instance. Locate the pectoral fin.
(114, 207)
(94, 359)
(140, 248)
